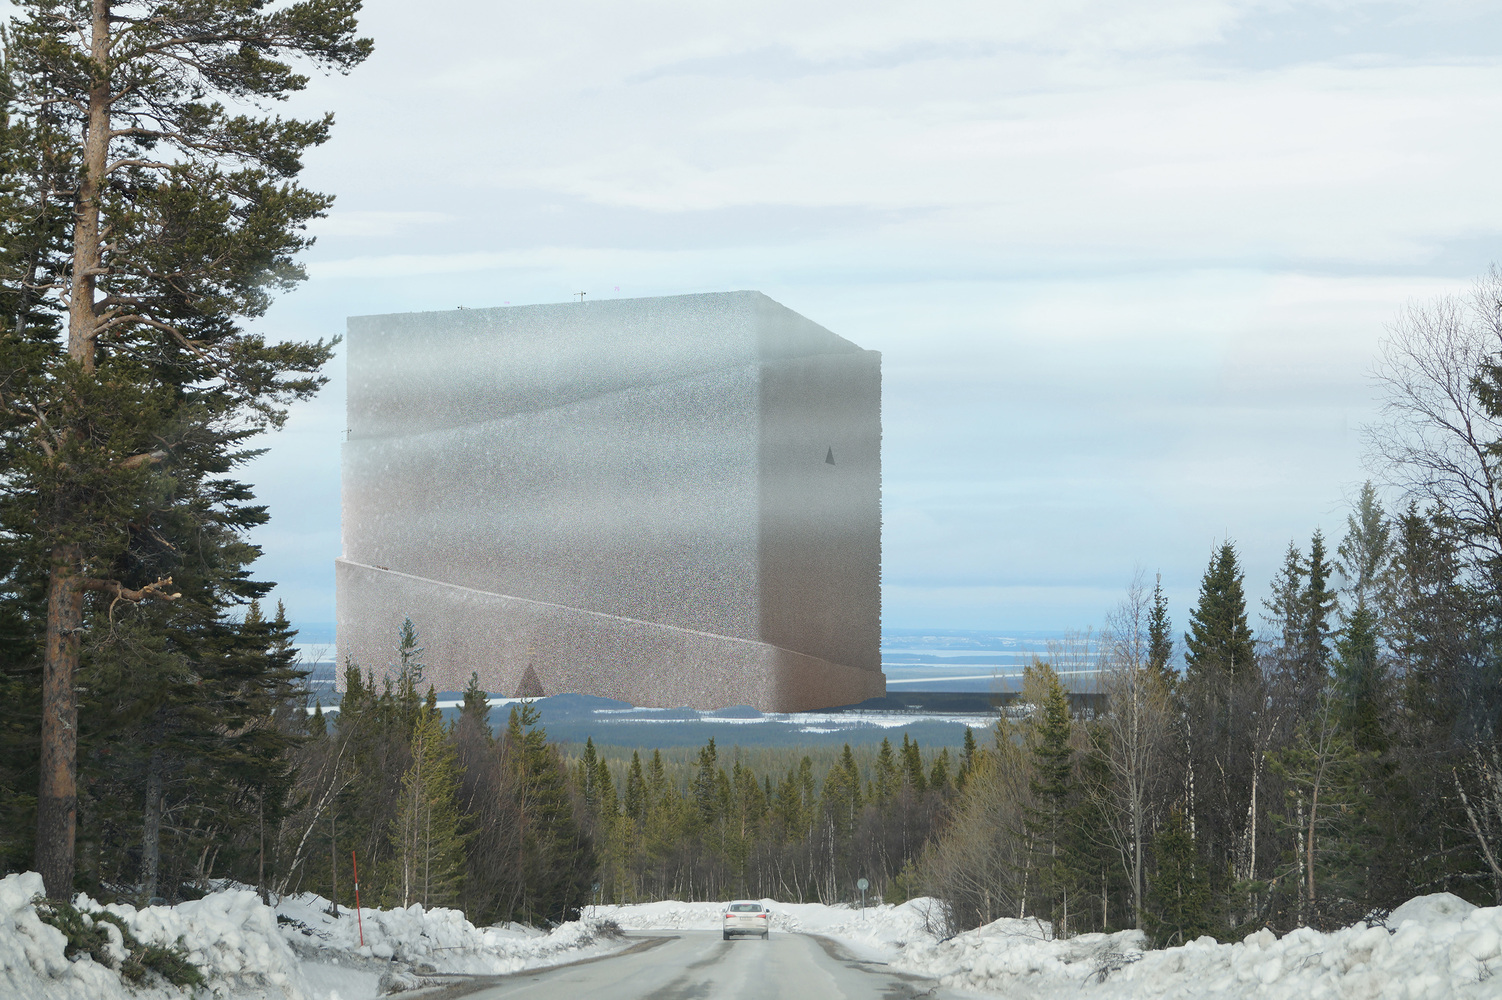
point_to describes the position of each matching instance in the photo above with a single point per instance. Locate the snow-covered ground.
(1430, 948)
(1433, 947)
(298, 951)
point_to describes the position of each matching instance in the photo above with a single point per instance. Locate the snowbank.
(230, 936)
(32, 963)
(248, 951)
(438, 940)
(1432, 948)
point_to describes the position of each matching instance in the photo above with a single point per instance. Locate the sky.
(1129, 265)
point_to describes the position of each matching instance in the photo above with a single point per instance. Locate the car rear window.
(745, 907)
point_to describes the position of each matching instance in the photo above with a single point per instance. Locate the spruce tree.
(968, 759)
(1178, 892)
(636, 791)
(427, 839)
(1053, 787)
(840, 803)
(706, 796)
(1285, 606)
(887, 781)
(181, 217)
(1219, 639)
(1159, 632)
(912, 765)
(1318, 602)
(1365, 555)
(1362, 681)
(557, 857)
(587, 772)
(607, 800)
(938, 776)
(475, 709)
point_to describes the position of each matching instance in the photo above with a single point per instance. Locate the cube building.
(667, 501)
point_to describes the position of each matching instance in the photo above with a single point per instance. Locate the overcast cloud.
(1128, 264)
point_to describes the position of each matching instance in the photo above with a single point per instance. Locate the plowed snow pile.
(247, 954)
(1431, 948)
(438, 938)
(229, 935)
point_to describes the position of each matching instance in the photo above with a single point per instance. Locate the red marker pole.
(359, 920)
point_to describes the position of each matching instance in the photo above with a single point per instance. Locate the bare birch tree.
(1135, 728)
(1436, 439)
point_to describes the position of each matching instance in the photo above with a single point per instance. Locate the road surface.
(689, 965)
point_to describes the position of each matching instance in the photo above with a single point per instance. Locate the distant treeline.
(506, 827)
(1329, 771)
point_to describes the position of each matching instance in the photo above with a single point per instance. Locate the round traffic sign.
(862, 884)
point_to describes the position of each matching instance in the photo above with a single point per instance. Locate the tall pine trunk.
(57, 797)
(57, 794)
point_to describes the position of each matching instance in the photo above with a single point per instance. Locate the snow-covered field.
(1433, 947)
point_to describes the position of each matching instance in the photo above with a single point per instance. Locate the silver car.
(746, 917)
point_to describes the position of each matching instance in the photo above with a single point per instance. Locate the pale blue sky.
(1128, 264)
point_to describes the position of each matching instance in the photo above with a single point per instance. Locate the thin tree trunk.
(1299, 852)
(333, 866)
(1137, 862)
(1251, 869)
(151, 834)
(261, 868)
(1309, 851)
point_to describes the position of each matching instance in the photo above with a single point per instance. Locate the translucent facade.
(670, 501)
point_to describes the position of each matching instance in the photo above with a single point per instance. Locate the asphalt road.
(688, 965)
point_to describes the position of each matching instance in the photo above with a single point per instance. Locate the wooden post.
(359, 919)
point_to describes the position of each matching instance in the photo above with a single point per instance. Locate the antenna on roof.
(581, 296)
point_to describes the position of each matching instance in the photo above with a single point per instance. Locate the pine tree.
(1219, 639)
(427, 840)
(887, 781)
(1053, 786)
(185, 217)
(938, 777)
(1285, 607)
(840, 804)
(968, 760)
(1159, 632)
(1365, 554)
(706, 796)
(475, 709)
(1178, 894)
(912, 765)
(1318, 603)
(1362, 681)
(606, 798)
(636, 791)
(557, 858)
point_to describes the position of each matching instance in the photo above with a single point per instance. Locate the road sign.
(862, 884)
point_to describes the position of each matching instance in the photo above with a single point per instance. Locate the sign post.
(862, 885)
